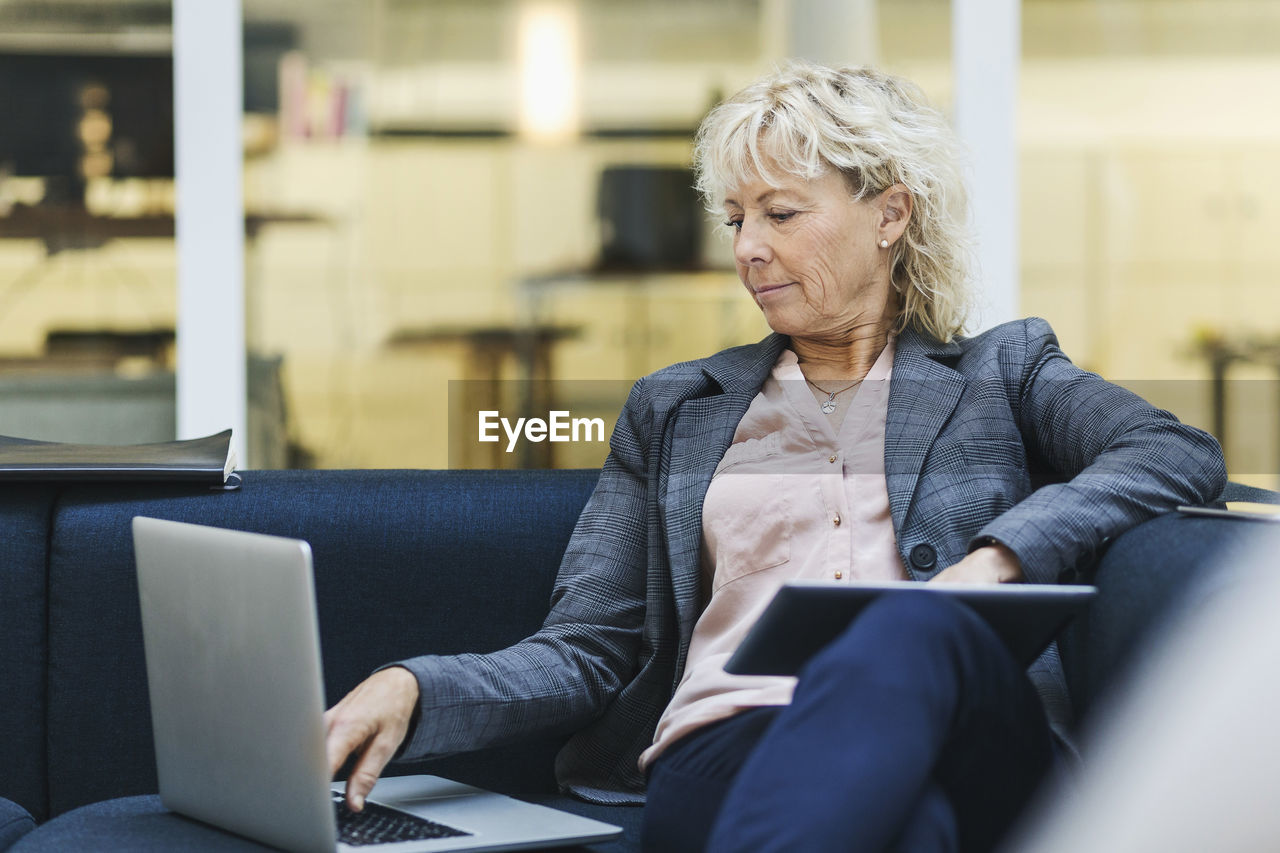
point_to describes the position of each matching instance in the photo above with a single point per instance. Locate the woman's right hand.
(371, 722)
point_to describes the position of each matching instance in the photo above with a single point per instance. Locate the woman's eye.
(781, 217)
(736, 224)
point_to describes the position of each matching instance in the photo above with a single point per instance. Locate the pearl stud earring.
(884, 244)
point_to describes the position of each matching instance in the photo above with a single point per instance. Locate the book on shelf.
(205, 460)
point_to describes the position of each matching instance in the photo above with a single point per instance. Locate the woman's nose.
(751, 245)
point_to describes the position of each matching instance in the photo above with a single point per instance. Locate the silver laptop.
(233, 663)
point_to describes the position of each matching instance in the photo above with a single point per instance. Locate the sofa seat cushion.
(144, 825)
(15, 822)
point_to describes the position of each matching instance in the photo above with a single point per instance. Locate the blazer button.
(923, 557)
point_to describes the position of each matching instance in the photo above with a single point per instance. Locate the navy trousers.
(914, 731)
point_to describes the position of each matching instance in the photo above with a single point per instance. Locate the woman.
(864, 439)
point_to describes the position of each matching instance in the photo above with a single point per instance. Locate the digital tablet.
(804, 616)
(1246, 510)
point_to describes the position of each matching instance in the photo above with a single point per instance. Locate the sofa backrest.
(406, 563)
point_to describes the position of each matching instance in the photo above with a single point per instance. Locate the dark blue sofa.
(406, 562)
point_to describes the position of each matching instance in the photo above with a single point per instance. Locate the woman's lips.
(767, 289)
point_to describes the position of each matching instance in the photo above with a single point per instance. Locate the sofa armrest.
(1241, 492)
(1147, 574)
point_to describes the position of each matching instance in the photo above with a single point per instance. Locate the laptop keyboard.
(381, 825)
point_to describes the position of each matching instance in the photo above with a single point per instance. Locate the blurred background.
(482, 191)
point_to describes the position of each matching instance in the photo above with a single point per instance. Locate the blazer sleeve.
(564, 675)
(1122, 461)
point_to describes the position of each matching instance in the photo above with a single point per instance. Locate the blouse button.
(839, 574)
(836, 521)
(832, 460)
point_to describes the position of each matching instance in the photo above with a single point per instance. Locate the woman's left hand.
(989, 564)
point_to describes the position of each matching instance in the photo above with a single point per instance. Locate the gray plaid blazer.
(973, 428)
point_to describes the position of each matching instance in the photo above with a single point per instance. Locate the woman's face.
(809, 254)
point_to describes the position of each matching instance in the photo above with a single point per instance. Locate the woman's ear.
(895, 212)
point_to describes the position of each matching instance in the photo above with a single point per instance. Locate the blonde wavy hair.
(877, 130)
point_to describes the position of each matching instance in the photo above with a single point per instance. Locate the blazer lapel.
(922, 396)
(702, 432)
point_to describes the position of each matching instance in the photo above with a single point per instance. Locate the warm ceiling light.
(548, 69)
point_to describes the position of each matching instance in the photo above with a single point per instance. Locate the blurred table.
(490, 353)
(1222, 355)
(72, 226)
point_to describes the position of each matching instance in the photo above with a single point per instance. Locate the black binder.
(205, 460)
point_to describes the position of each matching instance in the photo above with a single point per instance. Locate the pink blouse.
(795, 496)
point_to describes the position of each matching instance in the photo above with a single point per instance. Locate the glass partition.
(494, 194)
(87, 263)
(1150, 164)
(479, 193)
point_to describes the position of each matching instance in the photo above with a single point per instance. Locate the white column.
(207, 93)
(834, 32)
(986, 48)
